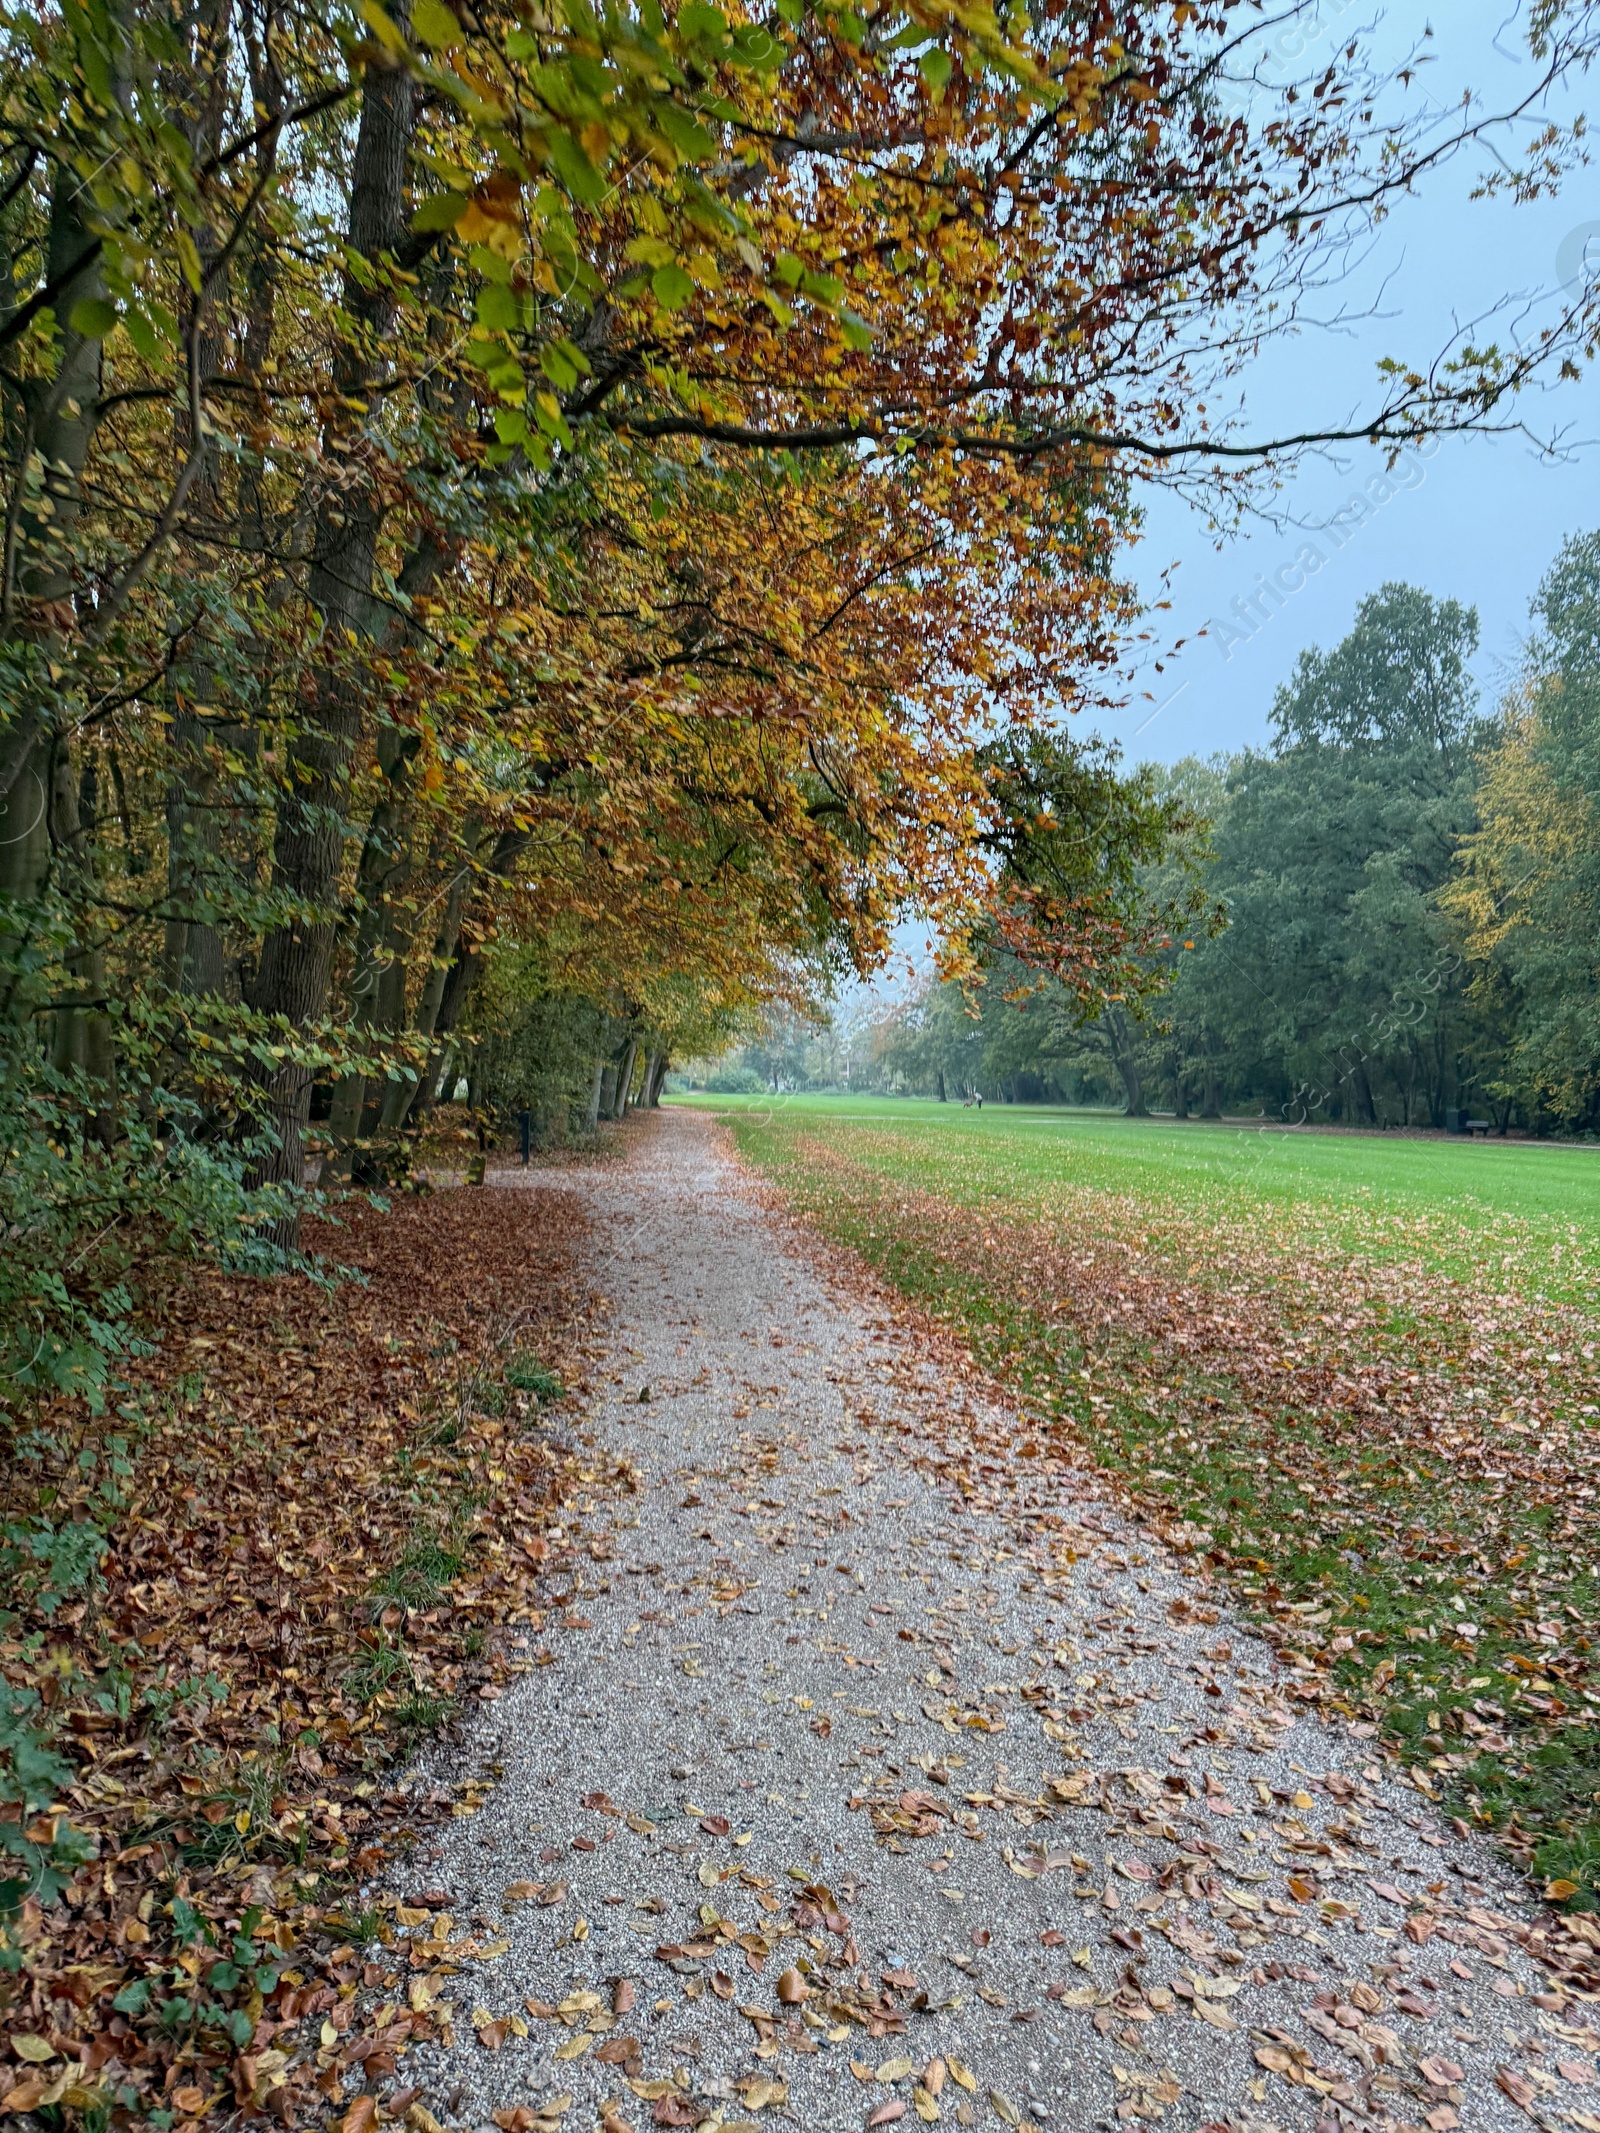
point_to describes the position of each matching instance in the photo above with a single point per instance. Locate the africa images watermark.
(1250, 612)
(1575, 264)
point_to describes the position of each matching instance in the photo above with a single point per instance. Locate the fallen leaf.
(758, 2094)
(1512, 2084)
(1441, 2073)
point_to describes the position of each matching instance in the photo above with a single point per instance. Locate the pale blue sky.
(1480, 521)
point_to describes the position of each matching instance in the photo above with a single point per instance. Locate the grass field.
(1358, 1373)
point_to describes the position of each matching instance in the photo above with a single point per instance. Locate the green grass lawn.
(1532, 1208)
(1358, 1373)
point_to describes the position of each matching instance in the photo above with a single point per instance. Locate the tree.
(1337, 986)
(1527, 886)
(596, 488)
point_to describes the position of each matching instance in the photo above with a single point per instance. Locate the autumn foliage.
(518, 511)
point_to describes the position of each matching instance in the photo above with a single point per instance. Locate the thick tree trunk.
(308, 849)
(591, 1123)
(1125, 1058)
(625, 1079)
(197, 885)
(1364, 1089)
(383, 930)
(37, 780)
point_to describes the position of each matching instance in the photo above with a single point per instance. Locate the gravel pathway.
(836, 1797)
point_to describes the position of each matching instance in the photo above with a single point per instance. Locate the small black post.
(525, 1133)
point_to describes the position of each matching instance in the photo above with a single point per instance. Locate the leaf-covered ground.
(898, 1778)
(325, 1510)
(1373, 1408)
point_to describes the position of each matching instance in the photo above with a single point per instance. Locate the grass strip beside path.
(1396, 1467)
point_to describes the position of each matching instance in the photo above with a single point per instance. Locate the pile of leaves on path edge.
(921, 1250)
(336, 1508)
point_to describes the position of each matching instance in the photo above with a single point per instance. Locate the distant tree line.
(1404, 901)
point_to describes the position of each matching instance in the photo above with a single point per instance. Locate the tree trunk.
(198, 886)
(454, 968)
(625, 1079)
(608, 1090)
(308, 847)
(62, 416)
(80, 1032)
(942, 1096)
(663, 1068)
(383, 930)
(1125, 1058)
(1211, 1103)
(591, 1123)
(1364, 1089)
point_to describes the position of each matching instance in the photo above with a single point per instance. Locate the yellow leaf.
(961, 2074)
(36, 2050)
(574, 2047)
(759, 2093)
(382, 28)
(1218, 2017)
